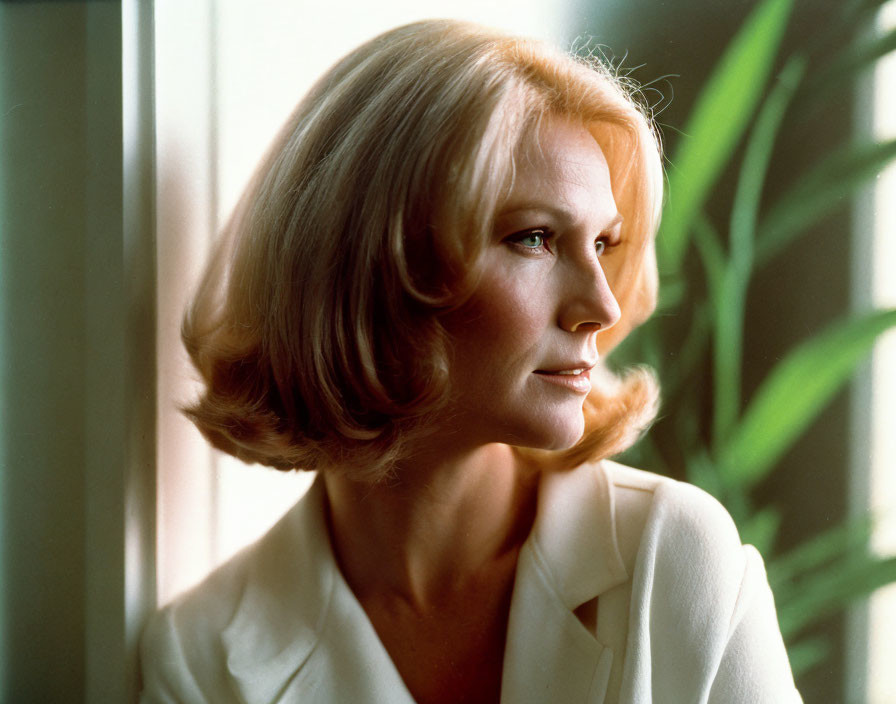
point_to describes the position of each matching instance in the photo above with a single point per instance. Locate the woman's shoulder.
(182, 652)
(209, 605)
(686, 546)
(703, 622)
(679, 524)
(188, 642)
(680, 509)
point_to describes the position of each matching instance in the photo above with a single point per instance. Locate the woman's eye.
(532, 239)
(604, 244)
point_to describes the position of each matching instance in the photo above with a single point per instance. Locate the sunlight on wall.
(882, 617)
(227, 76)
(184, 185)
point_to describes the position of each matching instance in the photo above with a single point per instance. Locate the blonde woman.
(413, 298)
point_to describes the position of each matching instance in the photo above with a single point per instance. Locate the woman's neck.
(445, 523)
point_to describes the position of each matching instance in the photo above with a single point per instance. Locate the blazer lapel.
(570, 558)
(298, 633)
(288, 586)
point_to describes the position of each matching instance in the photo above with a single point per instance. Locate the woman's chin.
(555, 437)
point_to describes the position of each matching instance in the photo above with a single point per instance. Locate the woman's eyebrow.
(558, 213)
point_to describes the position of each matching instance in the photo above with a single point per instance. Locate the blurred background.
(128, 131)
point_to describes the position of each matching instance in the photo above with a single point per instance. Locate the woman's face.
(526, 340)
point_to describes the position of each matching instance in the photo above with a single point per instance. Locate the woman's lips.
(578, 380)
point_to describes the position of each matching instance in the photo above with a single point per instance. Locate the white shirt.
(630, 588)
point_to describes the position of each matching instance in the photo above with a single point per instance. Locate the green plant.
(733, 127)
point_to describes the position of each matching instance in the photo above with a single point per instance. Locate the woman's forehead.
(561, 170)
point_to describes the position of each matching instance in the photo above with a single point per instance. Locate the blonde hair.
(316, 325)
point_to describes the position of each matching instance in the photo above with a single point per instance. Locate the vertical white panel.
(185, 172)
(139, 288)
(882, 616)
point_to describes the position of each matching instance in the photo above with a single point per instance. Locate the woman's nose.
(590, 304)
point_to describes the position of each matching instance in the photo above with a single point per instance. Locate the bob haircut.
(316, 327)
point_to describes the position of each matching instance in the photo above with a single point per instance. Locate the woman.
(411, 299)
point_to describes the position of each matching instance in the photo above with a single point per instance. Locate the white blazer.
(685, 614)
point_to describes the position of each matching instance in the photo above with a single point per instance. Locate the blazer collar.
(571, 557)
(298, 633)
(575, 534)
(288, 584)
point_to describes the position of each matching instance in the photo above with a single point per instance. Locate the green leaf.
(794, 392)
(830, 590)
(712, 256)
(757, 157)
(818, 193)
(761, 529)
(726, 358)
(731, 292)
(717, 122)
